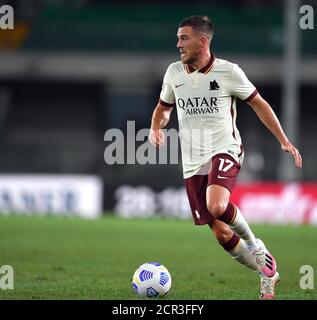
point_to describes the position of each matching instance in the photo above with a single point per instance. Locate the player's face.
(189, 44)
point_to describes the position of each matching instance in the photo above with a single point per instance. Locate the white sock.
(242, 229)
(241, 253)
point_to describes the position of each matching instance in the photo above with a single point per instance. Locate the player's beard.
(191, 59)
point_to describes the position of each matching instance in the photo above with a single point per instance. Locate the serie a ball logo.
(151, 279)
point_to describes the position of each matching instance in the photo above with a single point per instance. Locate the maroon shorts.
(224, 171)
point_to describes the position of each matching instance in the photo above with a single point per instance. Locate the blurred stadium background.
(72, 70)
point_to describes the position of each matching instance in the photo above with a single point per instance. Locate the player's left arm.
(270, 120)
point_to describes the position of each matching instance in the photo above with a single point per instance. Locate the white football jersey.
(206, 108)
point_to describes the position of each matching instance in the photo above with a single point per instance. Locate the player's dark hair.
(200, 24)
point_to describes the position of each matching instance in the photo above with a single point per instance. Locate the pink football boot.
(265, 261)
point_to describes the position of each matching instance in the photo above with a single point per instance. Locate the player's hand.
(157, 138)
(288, 147)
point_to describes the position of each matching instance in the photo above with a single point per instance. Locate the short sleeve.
(167, 97)
(241, 86)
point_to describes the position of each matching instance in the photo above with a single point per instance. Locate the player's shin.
(234, 218)
(238, 249)
(242, 254)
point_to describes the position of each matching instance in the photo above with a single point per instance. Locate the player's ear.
(204, 40)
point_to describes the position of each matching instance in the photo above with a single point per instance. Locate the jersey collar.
(204, 69)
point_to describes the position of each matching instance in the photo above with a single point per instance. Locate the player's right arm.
(162, 112)
(160, 118)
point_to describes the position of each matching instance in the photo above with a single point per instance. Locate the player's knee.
(216, 208)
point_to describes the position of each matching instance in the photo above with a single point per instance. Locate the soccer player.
(204, 89)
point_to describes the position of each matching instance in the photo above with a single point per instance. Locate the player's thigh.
(222, 178)
(224, 171)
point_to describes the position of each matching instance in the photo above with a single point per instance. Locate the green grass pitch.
(61, 258)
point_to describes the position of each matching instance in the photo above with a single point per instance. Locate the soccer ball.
(151, 279)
